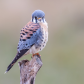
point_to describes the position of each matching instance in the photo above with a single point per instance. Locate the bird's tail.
(13, 62)
(18, 55)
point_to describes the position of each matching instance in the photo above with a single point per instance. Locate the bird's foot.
(36, 54)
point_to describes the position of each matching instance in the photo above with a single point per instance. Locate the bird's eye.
(35, 17)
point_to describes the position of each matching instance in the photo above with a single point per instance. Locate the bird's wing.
(29, 35)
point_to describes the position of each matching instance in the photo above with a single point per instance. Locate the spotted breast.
(42, 39)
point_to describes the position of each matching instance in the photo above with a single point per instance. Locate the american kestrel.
(33, 37)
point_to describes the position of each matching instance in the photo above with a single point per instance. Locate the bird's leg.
(36, 54)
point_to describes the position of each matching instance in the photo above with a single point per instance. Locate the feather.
(18, 55)
(31, 34)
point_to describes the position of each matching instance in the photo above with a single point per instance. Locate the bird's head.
(38, 16)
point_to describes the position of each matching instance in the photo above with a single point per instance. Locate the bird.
(33, 37)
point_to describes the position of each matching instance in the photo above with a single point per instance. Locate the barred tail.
(22, 52)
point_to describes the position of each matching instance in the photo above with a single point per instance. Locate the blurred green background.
(63, 57)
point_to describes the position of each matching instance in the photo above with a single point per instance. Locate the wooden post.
(29, 69)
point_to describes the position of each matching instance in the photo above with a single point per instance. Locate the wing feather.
(29, 35)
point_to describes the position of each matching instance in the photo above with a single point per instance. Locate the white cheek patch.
(43, 20)
(34, 20)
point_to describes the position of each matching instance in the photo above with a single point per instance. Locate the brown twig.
(29, 69)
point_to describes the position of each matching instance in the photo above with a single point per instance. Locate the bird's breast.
(38, 47)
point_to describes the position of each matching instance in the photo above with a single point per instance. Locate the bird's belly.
(35, 48)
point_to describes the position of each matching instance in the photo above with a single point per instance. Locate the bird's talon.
(36, 54)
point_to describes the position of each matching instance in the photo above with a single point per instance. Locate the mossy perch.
(29, 69)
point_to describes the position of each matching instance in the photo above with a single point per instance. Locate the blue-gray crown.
(38, 13)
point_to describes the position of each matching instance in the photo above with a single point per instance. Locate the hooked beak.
(39, 19)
